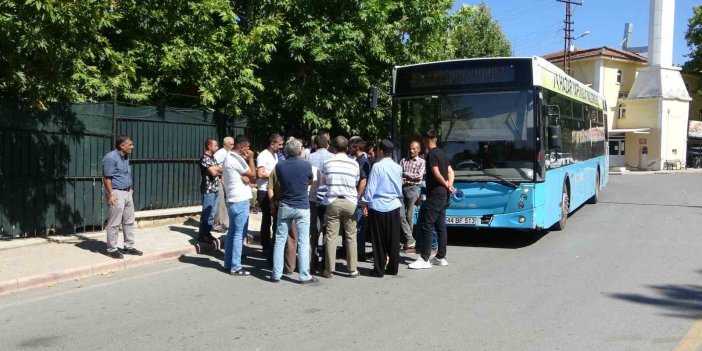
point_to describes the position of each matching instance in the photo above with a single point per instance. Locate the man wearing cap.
(381, 206)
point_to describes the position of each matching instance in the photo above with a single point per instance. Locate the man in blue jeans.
(238, 169)
(294, 175)
(209, 188)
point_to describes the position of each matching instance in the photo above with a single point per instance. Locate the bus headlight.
(523, 197)
(521, 219)
(520, 205)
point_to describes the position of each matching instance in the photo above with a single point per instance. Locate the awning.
(631, 130)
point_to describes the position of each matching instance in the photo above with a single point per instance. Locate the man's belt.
(125, 189)
(407, 185)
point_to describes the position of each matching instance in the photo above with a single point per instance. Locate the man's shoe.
(420, 263)
(132, 251)
(273, 280)
(312, 280)
(439, 262)
(411, 250)
(115, 254)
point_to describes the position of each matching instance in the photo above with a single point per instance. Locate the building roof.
(580, 54)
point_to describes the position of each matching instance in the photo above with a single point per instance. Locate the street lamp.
(572, 47)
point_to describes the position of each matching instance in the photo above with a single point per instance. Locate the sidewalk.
(36, 262)
(675, 171)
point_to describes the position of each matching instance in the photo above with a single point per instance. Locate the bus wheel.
(565, 209)
(596, 197)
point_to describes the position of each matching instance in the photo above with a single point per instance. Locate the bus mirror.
(554, 137)
(553, 111)
(373, 97)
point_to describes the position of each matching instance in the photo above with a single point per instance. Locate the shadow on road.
(681, 301)
(493, 238)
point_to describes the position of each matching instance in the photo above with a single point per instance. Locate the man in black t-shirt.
(432, 214)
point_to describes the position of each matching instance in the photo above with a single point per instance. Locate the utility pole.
(568, 33)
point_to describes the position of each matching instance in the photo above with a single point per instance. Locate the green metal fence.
(51, 162)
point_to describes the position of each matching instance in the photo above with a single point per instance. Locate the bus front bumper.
(516, 220)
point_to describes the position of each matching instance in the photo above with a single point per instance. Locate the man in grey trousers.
(117, 180)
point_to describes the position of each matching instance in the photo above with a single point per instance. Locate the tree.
(54, 50)
(285, 65)
(474, 33)
(329, 53)
(192, 53)
(694, 41)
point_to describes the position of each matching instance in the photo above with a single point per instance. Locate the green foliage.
(694, 41)
(329, 54)
(474, 33)
(55, 49)
(293, 66)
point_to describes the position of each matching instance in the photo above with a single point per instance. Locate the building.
(648, 100)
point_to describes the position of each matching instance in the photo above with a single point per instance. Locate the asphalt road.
(624, 275)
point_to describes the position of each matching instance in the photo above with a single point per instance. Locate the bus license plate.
(462, 220)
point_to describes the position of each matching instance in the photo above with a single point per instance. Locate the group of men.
(330, 189)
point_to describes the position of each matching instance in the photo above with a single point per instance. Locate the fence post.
(114, 118)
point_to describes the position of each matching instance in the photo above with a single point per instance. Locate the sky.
(535, 27)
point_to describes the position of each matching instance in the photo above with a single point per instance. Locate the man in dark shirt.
(364, 167)
(294, 175)
(432, 214)
(209, 188)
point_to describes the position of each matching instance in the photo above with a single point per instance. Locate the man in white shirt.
(340, 176)
(266, 162)
(238, 169)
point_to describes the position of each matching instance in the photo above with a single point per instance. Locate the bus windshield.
(489, 136)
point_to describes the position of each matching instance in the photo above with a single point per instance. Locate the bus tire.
(596, 197)
(565, 209)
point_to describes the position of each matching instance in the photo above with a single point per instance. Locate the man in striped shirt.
(340, 175)
(413, 168)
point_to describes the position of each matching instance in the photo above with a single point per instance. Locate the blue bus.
(527, 143)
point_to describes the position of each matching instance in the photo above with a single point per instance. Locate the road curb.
(49, 279)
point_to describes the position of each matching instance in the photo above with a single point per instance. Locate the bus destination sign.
(463, 76)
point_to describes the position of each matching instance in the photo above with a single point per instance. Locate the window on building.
(622, 110)
(619, 76)
(699, 115)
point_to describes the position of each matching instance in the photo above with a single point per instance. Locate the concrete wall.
(611, 88)
(642, 114)
(674, 145)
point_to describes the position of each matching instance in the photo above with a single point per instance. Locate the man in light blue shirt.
(381, 205)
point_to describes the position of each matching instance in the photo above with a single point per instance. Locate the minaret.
(659, 89)
(660, 78)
